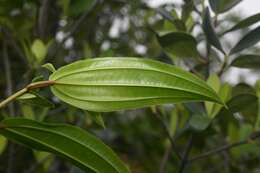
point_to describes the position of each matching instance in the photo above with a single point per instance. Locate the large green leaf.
(179, 45)
(248, 40)
(246, 22)
(72, 143)
(220, 6)
(247, 61)
(110, 84)
(210, 33)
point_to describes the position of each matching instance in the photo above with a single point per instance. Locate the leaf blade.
(179, 45)
(110, 84)
(210, 33)
(82, 149)
(248, 40)
(245, 23)
(247, 61)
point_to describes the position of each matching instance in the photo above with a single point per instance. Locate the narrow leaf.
(110, 84)
(221, 6)
(250, 39)
(210, 33)
(245, 23)
(69, 142)
(247, 61)
(179, 45)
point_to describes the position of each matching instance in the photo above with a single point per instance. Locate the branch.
(29, 87)
(43, 17)
(9, 90)
(252, 137)
(166, 131)
(35, 166)
(12, 42)
(184, 160)
(56, 46)
(165, 159)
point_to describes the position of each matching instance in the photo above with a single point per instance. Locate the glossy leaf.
(110, 84)
(72, 143)
(250, 39)
(245, 23)
(220, 6)
(210, 33)
(247, 61)
(179, 45)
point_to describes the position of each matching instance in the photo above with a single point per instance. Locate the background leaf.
(179, 45)
(247, 61)
(245, 23)
(250, 39)
(211, 36)
(49, 67)
(221, 6)
(72, 143)
(39, 50)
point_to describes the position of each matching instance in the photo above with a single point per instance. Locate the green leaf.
(69, 142)
(38, 78)
(110, 84)
(241, 102)
(257, 88)
(39, 50)
(214, 82)
(245, 23)
(76, 7)
(45, 158)
(224, 92)
(199, 122)
(49, 67)
(210, 33)
(247, 61)
(179, 45)
(26, 96)
(186, 10)
(35, 99)
(3, 144)
(250, 39)
(172, 21)
(97, 117)
(221, 6)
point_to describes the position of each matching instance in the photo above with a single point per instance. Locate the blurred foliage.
(189, 35)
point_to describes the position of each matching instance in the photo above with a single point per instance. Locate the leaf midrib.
(163, 72)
